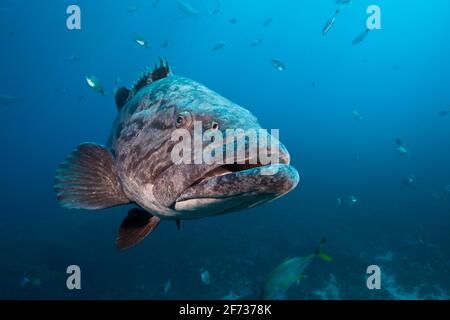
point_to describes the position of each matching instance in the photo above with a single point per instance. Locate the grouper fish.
(136, 166)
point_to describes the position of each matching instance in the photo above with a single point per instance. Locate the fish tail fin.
(87, 179)
(320, 252)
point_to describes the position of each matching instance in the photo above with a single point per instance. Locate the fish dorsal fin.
(148, 77)
(122, 96)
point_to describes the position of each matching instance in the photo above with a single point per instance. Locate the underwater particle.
(278, 65)
(205, 277)
(288, 273)
(95, 84)
(132, 9)
(218, 46)
(329, 24)
(267, 22)
(233, 21)
(167, 286)
(24, 281)
(165, 44)
(443, 113)
(187, 9)
(356, 115)
(256, 43)
(140, 40)
(360, 38)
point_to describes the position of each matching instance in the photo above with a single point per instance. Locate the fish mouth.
(235, 187)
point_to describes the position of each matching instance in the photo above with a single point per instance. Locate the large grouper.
(136, 166)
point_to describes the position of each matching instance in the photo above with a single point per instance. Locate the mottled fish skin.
(141, 143)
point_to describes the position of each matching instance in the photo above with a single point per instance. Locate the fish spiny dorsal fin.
(159, 72)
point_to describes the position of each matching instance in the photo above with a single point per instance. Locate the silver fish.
(218, 46)
(94, 83)
(140, 40)
(187, 9)
(277, 64)
(136, 166)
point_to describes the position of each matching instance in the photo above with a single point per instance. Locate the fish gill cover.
(357, 89)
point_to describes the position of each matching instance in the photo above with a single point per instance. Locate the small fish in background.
(290, 272)
(60, 90)
(12, 32)
(205, 277)
(132, 9)
(356, 115)
(366, 60)
(80, 99)
(360, 38)
(155, 4)
(233, 21)
(329, 24)
(398, 141)
(256, 43)
(352, 201)
(267, 22)
(95, 84)
(216, 10)
(396, 68)
(340, 201)
(218, 46)
(167, 286)
(402, 151)
(313, 84)
(443, 113)
(187, 9)
(5, 99)
(73, 58)
(24, 281)
(165, 44)
(278, 65)
(356, 159)
(408, 182)
(140, 40)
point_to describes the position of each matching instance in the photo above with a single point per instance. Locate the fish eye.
(215, 125)
(184, 119)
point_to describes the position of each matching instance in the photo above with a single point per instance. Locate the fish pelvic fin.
(137, 225)
(87, 179)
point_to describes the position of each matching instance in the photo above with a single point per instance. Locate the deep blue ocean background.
(397, 79)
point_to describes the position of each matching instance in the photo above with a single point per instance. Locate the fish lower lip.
(231, 181)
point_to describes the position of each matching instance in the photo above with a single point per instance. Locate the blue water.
(397, 79)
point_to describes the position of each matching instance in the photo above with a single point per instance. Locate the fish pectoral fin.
(122, 96)
(136, 226)
(87, 179)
